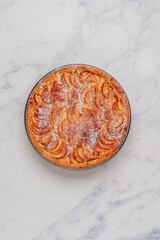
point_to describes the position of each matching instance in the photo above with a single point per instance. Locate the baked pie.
(77, 117)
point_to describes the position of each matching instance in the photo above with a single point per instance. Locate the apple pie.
(77, 117)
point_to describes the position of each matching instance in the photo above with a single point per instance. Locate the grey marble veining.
(119, 200)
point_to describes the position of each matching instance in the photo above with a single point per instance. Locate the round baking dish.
(26, 108)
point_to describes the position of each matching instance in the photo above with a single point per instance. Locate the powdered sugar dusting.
(42, 124)
(53, 139)
(42, 111)
(92, 136)
(69, 149)
(47, 98)
(79, 99)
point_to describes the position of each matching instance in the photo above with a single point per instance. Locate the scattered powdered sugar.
(41, 111)
(103, 113)
(42, 124)
(92, 136)
(92, 139)
(85, 132)
(88, 147)
(99, 121)
(53, 139)
(64, 89)
(69, 149)
(79, 99)
(47, 98)
(42, 117)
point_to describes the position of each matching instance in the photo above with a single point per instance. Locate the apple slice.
(58, 148)
(46, 140)
(77, 157)
(56, 92)
(83, 77)
(105, 89)
(107, 135)
(67, 77)
(62, 111)
(104, 141)
(116, 108)
(108, 114)
(61, 154)
(53, 145)
(73, 82)
(76, 80)
(41, 124)
(89, 112)
(64, 80)
(70, 116)
(81, 153)
(114, 84)
(39, 101)
(100, 99)
(42, 113)
(72, 160)
(39, 131)
(46, 98)
(60, 131)
(103, 146)
(89, 154)
(90, 96)
(76, 137)
(115, 122)
(96, 78)
(65, 126)
(99, 148)
(112, 96)
(50, 142)
(54, 116)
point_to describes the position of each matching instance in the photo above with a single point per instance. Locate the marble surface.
(119, 200)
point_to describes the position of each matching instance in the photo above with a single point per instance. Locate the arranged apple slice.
(105, 89)
(103, 140)
(72, 160)
(76, 157)
(60, 132)
(100, 99)
(50, 142)
(46, 97)
(66, 127)
(81, 153)
(90, 97)
(38, 100)
(111, 96)
(65, 79)
(61, 154)
(41, 124)
(57, 92)
(43, 113)
(107, 135)
(39, 131)
(89, 154)
(58, 148)
(84, 77)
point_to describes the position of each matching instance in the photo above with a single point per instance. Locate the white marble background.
(119, 200)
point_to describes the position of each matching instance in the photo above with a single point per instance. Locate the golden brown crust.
(77, 117)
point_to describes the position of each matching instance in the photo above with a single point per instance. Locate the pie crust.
(77, 117)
